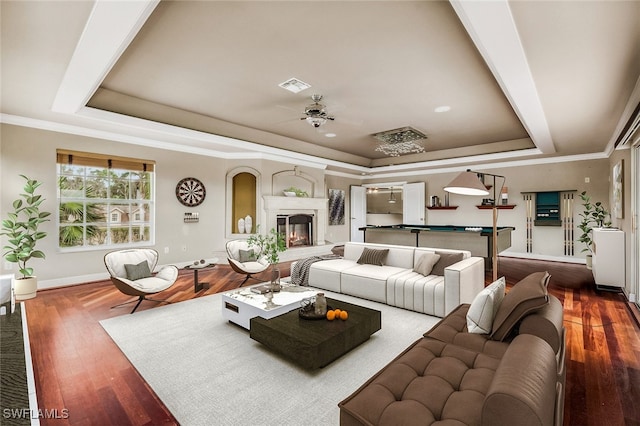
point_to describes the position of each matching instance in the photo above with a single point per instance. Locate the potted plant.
(21, 229)
(292, 191)
(270, 245)
(594, 215)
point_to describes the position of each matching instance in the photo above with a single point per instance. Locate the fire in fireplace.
(297, 229)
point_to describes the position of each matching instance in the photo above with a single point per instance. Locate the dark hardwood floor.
(78, 368)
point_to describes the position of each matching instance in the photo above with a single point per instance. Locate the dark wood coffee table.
(316, 343)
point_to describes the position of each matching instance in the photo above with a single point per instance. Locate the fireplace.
(315, 209)
(297, 229)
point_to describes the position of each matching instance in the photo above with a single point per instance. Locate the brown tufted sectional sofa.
(513, 376)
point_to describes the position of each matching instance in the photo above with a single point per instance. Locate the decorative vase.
(26, 288)
(241, 226)
(275, 280)
(589, 260)
(321, 304)
(248, 224)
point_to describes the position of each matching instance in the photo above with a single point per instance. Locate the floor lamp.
(472, 183)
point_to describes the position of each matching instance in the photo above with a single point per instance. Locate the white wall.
(33, 152)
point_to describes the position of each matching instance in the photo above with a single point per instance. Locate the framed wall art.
(336, 207)
(618, 190)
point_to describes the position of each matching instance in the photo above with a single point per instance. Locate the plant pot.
(26, 288)
(589, 261)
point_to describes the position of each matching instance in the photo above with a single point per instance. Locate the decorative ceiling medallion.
(400, 141)
(190, 192)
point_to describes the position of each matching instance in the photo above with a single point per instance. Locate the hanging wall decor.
(190, 192)
(336, 207)
(618, 194)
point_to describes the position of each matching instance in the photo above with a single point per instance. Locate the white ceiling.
(534, 80)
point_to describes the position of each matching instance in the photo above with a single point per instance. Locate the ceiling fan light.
(316, 121)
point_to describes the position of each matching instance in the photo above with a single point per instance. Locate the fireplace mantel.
(286, 205)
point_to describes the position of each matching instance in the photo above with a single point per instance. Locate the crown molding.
(251, 150)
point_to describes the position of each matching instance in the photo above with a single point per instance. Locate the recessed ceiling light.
(443, 108)
(294, 85)
(329, 135)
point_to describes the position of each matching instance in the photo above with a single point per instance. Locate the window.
(104, 201)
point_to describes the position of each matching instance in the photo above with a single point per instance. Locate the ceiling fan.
(315, 113)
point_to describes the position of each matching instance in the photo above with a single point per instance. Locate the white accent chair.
(236, 252)
(115, 262)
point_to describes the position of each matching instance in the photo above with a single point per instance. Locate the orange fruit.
(337, 312)
(331, 315)
(344, 315)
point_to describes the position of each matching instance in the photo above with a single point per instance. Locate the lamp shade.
(467, 183)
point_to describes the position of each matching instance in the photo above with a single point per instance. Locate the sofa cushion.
(246, 255)
(138, 271)
(413, 291)
(453, 329)
(431, 382)
(526, 296)
(484, 307)
(425, 263)
(446, 259)
(371, 256)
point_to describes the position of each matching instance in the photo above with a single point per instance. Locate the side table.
(197, 285)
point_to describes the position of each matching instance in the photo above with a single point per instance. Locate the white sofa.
(396, 284)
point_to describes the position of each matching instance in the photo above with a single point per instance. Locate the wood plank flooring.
(78, 368)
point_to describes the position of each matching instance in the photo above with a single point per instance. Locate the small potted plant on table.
(270, 246)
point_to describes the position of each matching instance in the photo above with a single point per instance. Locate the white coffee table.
(239, 306)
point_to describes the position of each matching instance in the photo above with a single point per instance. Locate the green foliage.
(21, 228)
(593, 216)
(270, 244)
(299, 192)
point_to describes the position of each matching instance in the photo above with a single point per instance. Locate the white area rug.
(210, 372)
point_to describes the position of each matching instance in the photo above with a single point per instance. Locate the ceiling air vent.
(294, 85)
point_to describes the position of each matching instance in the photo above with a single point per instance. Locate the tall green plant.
(21, 228)
(594, 215)
(270, 244)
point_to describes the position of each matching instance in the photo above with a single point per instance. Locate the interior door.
(358, 205)
(413, 203)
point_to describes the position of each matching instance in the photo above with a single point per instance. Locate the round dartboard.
(190, 192)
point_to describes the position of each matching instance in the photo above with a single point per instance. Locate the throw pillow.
(136, 272)
(246, 256)
(446, 259)
(373, 256)
(484, 307)
(425, 263)
(527, 295)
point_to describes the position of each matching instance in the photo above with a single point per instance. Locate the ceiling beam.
(491, 26)
(110, 28)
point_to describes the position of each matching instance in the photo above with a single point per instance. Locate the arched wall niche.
(242, 199)
(297, 178)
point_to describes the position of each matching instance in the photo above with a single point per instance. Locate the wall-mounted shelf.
(499, 206)
(443, 208)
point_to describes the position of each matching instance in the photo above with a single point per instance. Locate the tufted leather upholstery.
(457, 381)
(452, 377)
